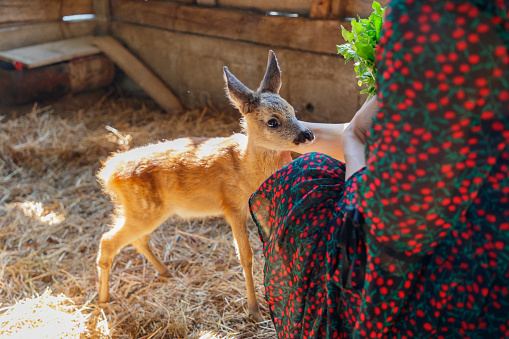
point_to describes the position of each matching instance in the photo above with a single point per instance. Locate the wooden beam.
(298, 33)
(102, 9)
(206, 2)
(338, 9)
(320, 9)
(284, 6)
(102, 12)
(135, 69)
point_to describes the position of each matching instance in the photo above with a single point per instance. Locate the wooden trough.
(33, 73)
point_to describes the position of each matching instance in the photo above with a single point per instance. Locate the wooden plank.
(72, 7)
(320, 36)
(206, 2)
(41, 10)
(363, 8)
(284, 6)
(320, 9)
(320, 86)
(102, 12)
(338, 8)
(50, 52)
(135, 69)
(26, 35)
(102, 9)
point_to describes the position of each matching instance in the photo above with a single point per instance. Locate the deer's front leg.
(237, 221)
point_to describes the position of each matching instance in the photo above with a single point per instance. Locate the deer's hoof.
(165, 274)
(255, 313)
(257, 317)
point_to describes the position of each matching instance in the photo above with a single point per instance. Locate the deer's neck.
(263, 161)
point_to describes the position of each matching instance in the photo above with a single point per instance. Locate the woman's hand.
(363, 120)
(355, 136)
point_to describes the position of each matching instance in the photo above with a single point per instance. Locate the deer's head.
(268, 119)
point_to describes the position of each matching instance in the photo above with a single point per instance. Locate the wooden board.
(143, 76)
(206, 2)
(320, 86)
(102, 12)
(338, 8)
(363, 8)
(42, 10)
(51, 52)
(320, 9)
(26, 35)
(284, 6)
(319, 36)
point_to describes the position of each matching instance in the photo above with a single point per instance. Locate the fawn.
(201, 177)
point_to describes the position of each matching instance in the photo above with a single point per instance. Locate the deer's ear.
(240, 96)
(272, 80)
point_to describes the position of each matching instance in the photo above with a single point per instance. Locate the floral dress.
(417, 243)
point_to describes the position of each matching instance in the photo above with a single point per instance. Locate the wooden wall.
(320, 87)
(30, 11)
(187, 45)
(287, 6)
(28, 22)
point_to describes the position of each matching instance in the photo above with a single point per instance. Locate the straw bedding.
(52, 214)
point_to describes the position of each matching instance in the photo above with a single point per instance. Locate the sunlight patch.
(46, 316)
(35, 210)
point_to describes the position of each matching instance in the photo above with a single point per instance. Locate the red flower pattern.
(434, 195)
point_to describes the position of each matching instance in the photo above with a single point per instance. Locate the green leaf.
(377, 22)
(361, 44)
(346, 35)
(365, 51)
(357, 28)
(346, 51)
(377, 7)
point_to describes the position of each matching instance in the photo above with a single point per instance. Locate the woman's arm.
(328, 140)
(355, 135)
(353, 149)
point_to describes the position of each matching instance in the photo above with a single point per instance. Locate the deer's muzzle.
(304, 137)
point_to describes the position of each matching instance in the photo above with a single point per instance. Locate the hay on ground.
(49, 317)
(53, 213)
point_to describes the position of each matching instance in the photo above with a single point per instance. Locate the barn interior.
(81, 79)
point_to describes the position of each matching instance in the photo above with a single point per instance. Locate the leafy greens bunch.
(360, 46)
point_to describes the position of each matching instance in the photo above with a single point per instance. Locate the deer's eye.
(273, 123)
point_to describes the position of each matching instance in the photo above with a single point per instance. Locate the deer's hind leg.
(127, 230)
(143, 246)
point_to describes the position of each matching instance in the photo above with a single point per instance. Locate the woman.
(415, 242)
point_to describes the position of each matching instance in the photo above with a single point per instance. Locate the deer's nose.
(303, 137)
